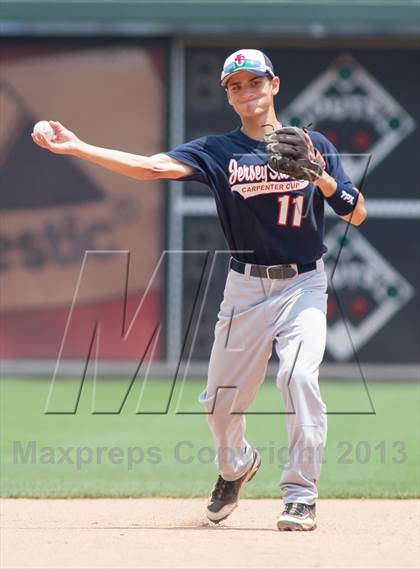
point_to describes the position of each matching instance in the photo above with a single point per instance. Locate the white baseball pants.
(256, 312)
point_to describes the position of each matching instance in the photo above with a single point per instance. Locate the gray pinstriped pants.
(256, 312)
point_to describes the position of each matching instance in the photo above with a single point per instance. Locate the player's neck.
(253, 127)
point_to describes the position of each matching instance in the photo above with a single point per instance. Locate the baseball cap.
(251, 60)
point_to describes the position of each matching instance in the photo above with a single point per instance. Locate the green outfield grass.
(368, 455)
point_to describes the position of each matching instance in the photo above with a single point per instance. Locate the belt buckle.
(286, 271)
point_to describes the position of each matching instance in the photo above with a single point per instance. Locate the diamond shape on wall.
(355, 112)
(369, 290)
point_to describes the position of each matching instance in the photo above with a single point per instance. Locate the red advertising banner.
(55, 208)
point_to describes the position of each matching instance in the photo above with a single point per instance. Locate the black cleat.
(297, 517)
(225, 495)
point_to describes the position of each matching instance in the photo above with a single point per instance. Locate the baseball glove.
(291, 152)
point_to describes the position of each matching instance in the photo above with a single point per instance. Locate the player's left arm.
(328, 186)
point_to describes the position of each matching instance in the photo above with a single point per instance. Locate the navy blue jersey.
(268, 218)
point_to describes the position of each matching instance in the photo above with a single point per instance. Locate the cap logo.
(240, 59)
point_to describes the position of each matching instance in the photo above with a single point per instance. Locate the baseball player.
(270, 184)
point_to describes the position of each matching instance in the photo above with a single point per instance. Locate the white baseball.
(44, 127)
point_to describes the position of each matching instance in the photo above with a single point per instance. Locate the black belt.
(272, 271)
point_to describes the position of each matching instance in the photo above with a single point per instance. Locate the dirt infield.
(137, 533)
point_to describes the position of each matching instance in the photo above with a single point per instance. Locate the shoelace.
(220, 487)
(295, 508)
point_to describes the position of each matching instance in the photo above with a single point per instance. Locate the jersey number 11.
(297, 210)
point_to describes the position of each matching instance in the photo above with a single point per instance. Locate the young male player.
(276, 287)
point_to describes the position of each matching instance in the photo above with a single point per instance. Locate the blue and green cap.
(251, 60)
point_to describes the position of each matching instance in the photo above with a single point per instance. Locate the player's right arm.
(132, 165)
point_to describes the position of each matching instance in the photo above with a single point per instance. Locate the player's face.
(251, 95)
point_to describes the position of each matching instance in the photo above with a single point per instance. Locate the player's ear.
(275, 85)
